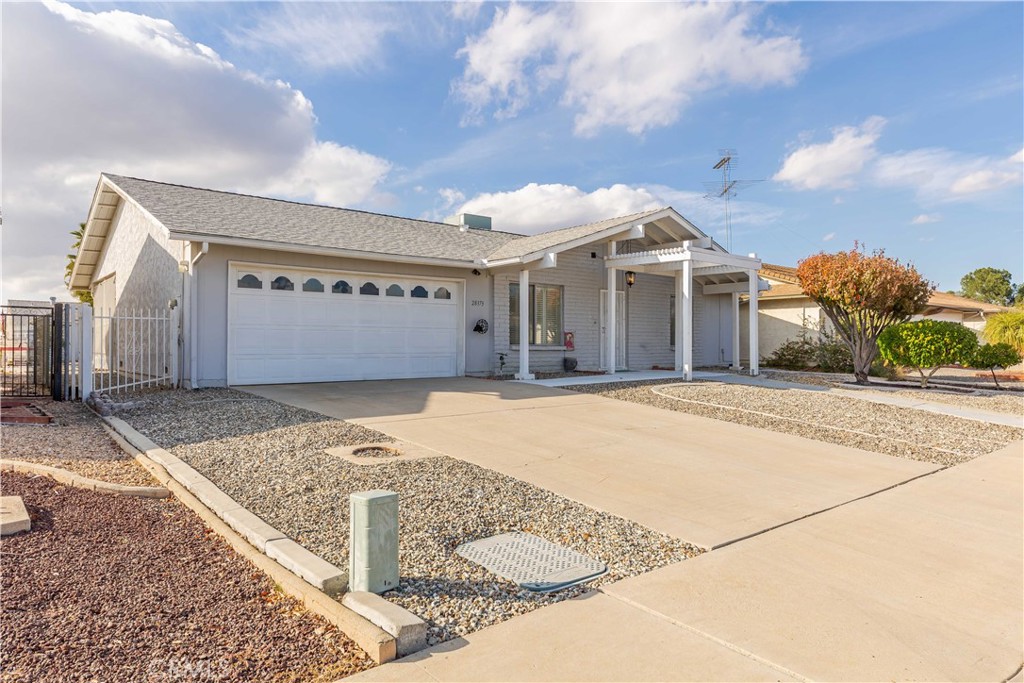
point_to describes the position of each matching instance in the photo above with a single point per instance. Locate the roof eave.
(322, 251)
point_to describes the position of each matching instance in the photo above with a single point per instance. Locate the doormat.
(531, 562)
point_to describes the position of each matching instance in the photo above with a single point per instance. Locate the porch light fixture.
(630, 278)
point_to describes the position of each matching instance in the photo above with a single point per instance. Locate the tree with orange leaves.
(862, 294)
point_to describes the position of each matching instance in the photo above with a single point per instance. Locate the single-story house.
(784, 311)
(275, 291)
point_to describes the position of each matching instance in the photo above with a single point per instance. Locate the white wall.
(142, 260)
(778, 322)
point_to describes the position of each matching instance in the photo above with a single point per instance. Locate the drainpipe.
(193, 316)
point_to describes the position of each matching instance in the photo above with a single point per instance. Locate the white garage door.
(317, 326)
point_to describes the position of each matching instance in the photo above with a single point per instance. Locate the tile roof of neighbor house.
(214, 213)
(546, 240)
(947, 300)
(787, 286)
(785, 274)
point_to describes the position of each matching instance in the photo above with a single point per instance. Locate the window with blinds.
(545, 319)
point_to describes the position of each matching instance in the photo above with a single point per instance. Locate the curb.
(78, 481)
(299, 572)
(311, 568)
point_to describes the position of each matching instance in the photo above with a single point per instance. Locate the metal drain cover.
(533, 563)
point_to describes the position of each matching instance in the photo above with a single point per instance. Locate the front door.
(620, 329)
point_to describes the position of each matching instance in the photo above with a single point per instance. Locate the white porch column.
(610, 312)
(524, 326)
(679, 321)
(754, 355)
(687, 319)
(735, 330)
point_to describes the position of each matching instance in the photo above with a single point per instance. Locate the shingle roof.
(546, 240)
(214, 213)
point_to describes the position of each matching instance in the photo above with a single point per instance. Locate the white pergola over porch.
(694, 263)
(661, 242)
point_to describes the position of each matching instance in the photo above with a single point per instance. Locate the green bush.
(879, 368)
(927, 344)
(795, 354)
(814, 348)
(992, 356)
(832, 354)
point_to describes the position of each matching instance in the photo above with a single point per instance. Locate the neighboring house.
(784, 311)
(275, 291)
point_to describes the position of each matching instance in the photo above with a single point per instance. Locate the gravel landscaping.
(271, 458)
(116, 588)
(995, 401)
(901, 432)
(74, 441)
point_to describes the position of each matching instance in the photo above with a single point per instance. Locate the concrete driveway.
(705, 481)
(905, 574)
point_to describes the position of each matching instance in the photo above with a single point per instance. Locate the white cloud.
(637, 79)
(832, 164)
(925, 218)
(466, 10)
(322, 36)
(937, 174)
(451, 196)
(535, 208)
(86, 92)
(828, 237)
(329, 173)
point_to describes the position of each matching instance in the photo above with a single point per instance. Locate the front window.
(545, 315)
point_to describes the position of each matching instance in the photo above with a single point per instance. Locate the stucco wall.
(211, 281)
(777, 323)
(142, 259)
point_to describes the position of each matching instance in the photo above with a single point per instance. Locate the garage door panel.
(295, 336)
(312, 312)
(251, 309)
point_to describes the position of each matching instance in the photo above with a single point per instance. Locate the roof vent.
(469, 220)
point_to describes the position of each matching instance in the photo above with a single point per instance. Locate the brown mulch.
(76, 441)
(116, 588)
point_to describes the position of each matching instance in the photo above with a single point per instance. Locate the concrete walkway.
(919, 582)
(873, 394)
(706, 481)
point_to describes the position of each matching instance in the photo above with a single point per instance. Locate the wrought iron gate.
(26, 351)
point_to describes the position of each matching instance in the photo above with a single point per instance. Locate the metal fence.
(134, 349)
(26, 335)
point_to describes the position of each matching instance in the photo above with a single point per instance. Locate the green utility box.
(373, 541)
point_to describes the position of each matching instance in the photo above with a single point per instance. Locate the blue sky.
(898, 125)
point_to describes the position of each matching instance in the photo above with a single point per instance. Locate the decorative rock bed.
(282, 464)
(892, 430)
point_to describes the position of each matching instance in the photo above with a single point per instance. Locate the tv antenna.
(726, 188)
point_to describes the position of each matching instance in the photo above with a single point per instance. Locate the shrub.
(927, 344)
(1006, 328)
(992, 356)
(832, 353)
(795, 354)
